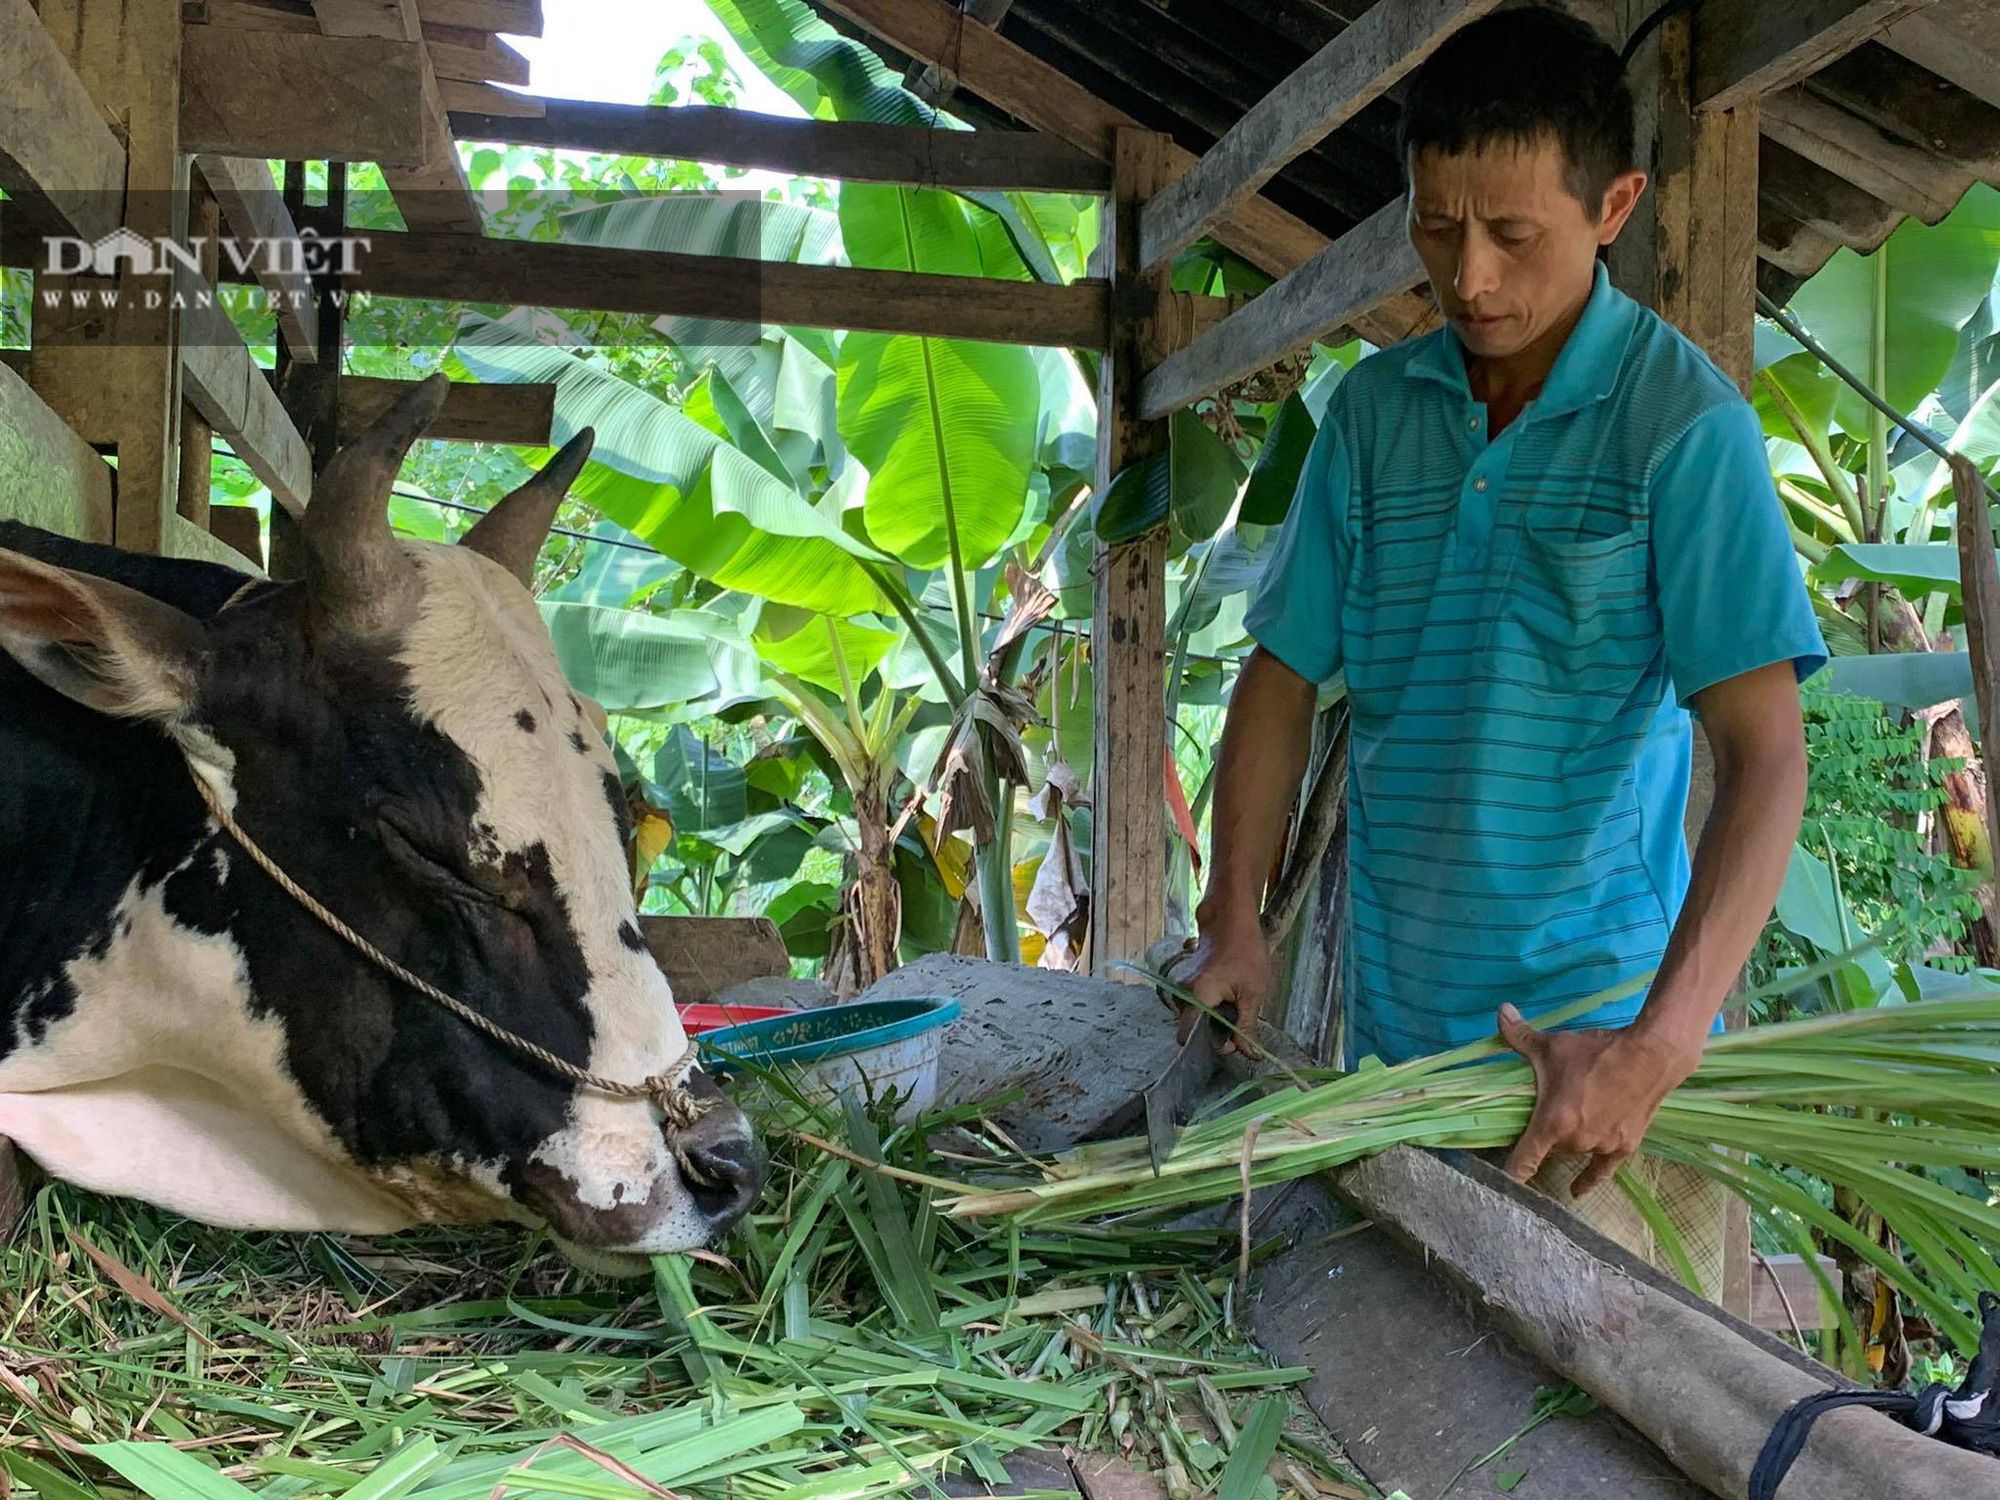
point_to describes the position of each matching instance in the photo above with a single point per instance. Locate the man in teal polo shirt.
(1533, 542)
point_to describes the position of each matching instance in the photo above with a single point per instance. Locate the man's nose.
(1478, 269)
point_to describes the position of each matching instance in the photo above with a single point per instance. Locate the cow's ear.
(110, 648)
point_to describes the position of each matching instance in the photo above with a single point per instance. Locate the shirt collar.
(1585, 372)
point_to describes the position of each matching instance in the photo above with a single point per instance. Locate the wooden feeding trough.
(1777, 134)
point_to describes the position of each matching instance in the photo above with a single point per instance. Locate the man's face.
(1509, 249)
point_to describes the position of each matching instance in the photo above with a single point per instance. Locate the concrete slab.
(1080, 1050)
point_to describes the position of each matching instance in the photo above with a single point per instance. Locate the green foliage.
(1868, 788)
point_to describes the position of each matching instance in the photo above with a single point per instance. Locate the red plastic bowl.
(696, 1019)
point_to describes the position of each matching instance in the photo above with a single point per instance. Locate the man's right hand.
(1231, 969)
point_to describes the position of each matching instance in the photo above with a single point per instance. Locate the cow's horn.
(359, 578)
(513, 531)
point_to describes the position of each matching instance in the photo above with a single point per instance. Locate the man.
(1532, 542)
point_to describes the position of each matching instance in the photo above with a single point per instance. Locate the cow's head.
(396, 733)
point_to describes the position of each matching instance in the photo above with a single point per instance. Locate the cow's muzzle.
(721, 1162)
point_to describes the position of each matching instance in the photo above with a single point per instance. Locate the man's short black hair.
(1519, 78)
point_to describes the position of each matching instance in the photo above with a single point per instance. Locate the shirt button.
(1472, 423)
(1480, 485)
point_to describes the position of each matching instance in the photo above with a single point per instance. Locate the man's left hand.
(1596, 1092)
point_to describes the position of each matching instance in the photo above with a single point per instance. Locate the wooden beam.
(523, 414)
(515, 17)
(488, 61)
(1979, 578)
(1703, 1388)
(529, 273)
(934, 84)
(852, 151)
(1363, 268)
(58, 159)
(185, 539)
(49, 477)
(254, 210)
(1344, 77)
(1128, 628)
(432, 192)
(1914, 180)
(1744, 49)
(1910, 104)
(1038, 95)
(226, 386)
(483, 100)
(292, 96)
(1960, 49)
(197, 457)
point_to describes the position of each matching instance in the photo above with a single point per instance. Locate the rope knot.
(680, 1108)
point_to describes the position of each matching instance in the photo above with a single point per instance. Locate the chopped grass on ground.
(856, 1344)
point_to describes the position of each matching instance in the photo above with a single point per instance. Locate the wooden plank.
(114, 379)
(851, 151)
(197, 450)
(185, 539)
(1785, 1290)
(484, 101)
(241, 529)
(1388, 42)
(1744, 49)
(1916, 181)
(49, 477)
(515, 17)
(290, 96)
(1966, 53)
(703, 956)
(526, 273)
(59, 161)
(1128, 627)
(225, 385)
(1703, 1388)
(1368, 264)
(492, 62)
(432, 193)
(523, 414)
(934, 84)
(253, 209)
(1907, 103)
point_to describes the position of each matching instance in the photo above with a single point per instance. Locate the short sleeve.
(1731, 595)
(1295, 612)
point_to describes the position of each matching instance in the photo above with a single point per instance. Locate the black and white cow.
(395, 732)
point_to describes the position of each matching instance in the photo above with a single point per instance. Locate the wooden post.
(1690, 253)
(197, 465)
(115, 379)
(1129, 622)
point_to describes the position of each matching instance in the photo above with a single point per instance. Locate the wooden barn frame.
(1777, 134)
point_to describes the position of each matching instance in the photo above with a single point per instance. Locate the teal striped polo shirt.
(1522, 621)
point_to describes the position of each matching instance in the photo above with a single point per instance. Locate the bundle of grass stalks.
(856, 1344)
(1862, 1099)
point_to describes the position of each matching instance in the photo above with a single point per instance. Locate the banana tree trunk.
(871, 910)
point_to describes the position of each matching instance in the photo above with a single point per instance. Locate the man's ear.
(110, 648)
(1619, 200)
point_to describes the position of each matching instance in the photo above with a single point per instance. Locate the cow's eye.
(413, 855)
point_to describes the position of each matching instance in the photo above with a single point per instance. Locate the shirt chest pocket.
(1574, 606)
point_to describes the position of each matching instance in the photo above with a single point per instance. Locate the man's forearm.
(1265, 741)
(1739, 868)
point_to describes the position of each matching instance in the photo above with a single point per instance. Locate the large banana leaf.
(1274, 478)
(629, 660)
(1937, 277)
(612, 575)
(1193, 480)
(946, 427)
(1912, 569)
(1906, 679)
(704, 788)
(698, 498)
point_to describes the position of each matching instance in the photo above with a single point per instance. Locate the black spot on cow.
(621, 815)
(628, 934)
(526, 720)
(578, 743)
